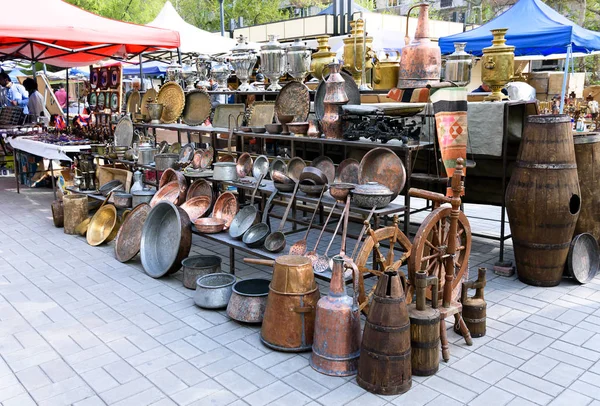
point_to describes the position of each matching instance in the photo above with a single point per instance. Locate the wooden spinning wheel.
(429, 251)
(383, 261)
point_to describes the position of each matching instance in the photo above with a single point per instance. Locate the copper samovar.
(320, 59)
(335, 97)
(421, 60)
(498, 65)
(358, 53)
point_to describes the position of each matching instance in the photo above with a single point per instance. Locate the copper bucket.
(289, 319)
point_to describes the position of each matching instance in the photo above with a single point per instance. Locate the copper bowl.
(200, 187)
(170, 175)
(280, 177)
(244, 165)
(169, 192)
(299, 129)
(209, 225)
(226, 207)
(196, 207)
(295, 167)
(226, 158)
(314, 175)
(274, 128)
(340, 191)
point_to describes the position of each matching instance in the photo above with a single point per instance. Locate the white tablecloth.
(41, 149)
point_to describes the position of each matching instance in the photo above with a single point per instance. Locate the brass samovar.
(358, 53)
(322, 58)
(498, 65)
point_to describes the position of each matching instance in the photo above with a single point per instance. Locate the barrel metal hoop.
(377, 355)
(293, 294)
(474, 321)
(426, 345)
(384, 329)
(531, 165)
(545, 247)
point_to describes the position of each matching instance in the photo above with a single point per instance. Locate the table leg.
(407, 164)
(444, 340)
(232, 260)
(17, 162)
(52, 179)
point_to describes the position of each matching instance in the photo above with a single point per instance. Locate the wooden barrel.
(58, 213)
(543, 199)
(424, 341)
(587, 154)
(384, 366)
(75, 211)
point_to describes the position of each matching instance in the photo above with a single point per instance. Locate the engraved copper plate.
(293, 99)
(129, 238)
(172, 97)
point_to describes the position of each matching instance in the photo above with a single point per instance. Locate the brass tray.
(261, 113)
(172, 97)
(351, 91)
(223, 111)
(197, 107)
(293, 99)
(129, 238)
(150, 94)
(124, 132)
(134, 101)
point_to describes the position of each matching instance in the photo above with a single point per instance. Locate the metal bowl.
(214, 290)
(111, 186)
(325, 165)
(248, 300)
(209, 225)
(278, 164)
(340, 191)
(260, 167)
(102, 225)
(246, 129)
(295, 167)
(200, 187)
(169, 193)
(258, 130)
(197, 207)
(280, 177)
(244, 165)
(169, 175)
(299, 128)
(166, 239)
(313, 175)
(285, 187)
(197, 266)
(122, 200)
(312, 190)
(274, 128)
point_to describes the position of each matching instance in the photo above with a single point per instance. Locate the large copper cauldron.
(421, 60)
(289, 319)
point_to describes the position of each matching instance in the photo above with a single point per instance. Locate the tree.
(135, 11)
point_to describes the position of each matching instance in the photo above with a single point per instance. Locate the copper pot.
(248, 300)
(335, 97)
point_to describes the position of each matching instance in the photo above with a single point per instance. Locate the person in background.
(61, 97)
(36, 104)
(16, 95)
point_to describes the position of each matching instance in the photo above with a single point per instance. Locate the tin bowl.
(274, 128)
(285, 187)
(260, 167)
(214, 290)
(313, 175)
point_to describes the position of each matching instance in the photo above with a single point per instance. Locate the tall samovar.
(298, 60)
(272, 59)
(203, 63)
(322, 58)
(498, 65)
(243, 58)
(174, 72)
(189, 76)
(358, 53)
(421, 60)
(220, 72)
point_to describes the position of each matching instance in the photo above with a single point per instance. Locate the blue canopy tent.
(533, 29)
(148, 68)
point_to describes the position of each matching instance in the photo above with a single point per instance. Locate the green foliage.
(136, 11)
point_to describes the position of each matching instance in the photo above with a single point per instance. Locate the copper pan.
(226, 207)
(169, 175)
(295, 167)
(244, 165)
(383, 166)
(347, 171)
(315, 175)
(200, 187)
(170, 192)
(209, 225)
(325, 164)
(280, 177)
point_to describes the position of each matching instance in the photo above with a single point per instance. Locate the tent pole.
(222, 12)
(564, 84)
(67, 97)
(141, 74)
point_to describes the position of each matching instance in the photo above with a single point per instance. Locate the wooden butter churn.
(474, 307)
(425, 328)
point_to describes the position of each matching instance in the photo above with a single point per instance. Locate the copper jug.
(335, 97)
(336, 344)
(421, 60)
(425, 328)
(474, 307)
(289, 318)
(384, 367)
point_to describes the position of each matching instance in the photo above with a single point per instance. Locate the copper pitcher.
(335, 97)
(289, 319)
(421, 60)
(336, 344)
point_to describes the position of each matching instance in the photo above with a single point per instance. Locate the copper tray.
(150, 94)
(325, 165)
(200, 187)
(124, 132)
(172, 97)
(226, 207)
(383, 166)
(197, 207)
(197, 107)
(169, 193)
(129, 238)
(293, 99)
(347, 171)
(133, 102)
(170, 175)
(351, 91)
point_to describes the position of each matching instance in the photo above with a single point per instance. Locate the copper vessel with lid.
(421, 60)
(322, 58)
(335, 97)
(498, 65)
(358, 53)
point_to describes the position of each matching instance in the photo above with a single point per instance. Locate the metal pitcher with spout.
(336, 344)
(421, 59)
(458, 65)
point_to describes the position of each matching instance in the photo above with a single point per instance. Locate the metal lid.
(225, 164)
(242, 46)
(298, 45)
(373, 189)
(272, 44)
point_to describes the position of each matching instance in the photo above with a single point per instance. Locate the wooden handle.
(426, 194)
(255, 261)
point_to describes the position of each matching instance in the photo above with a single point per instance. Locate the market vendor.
(36, 104)
(16, 95)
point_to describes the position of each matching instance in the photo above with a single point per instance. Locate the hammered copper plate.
(200, 187)
(134, 101)
(124, 132)
(293, 99)
(226, 207)
(148, 97)
(197, 107)
(196, 207)
(351, 91)
(325, 165)
(347, 171)
(169, 193)
(172, 97)
(383, 166)
(129, 238)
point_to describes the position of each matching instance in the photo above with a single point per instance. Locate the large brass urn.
(320, 59)
(498, 65)
(358, 52)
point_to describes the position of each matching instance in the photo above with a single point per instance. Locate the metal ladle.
(321, 264)
(275, 242)
(299, 247)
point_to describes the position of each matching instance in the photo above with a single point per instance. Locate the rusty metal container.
(384, 367)
(248, 300)
(289, 319)
(335, 97)
(75, 211)
(336, 345)
(421, 60)
(543, 199)
(474, 307)
(424, 328)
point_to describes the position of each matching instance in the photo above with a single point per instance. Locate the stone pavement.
(78, 327)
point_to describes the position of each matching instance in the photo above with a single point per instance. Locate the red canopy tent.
(60, 34)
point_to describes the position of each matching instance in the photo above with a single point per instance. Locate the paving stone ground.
(78, 327)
